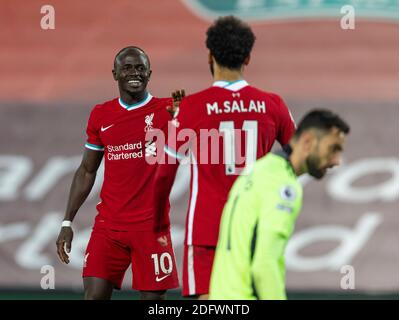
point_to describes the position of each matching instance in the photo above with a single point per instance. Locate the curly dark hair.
(230, 41)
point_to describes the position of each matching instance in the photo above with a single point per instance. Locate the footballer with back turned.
(248, 120)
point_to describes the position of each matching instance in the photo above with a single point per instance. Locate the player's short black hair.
(130, 48)
(321, 119)
(230, 41)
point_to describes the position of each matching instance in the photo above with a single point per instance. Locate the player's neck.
(225, 74)
(297, 162)
(130, 99)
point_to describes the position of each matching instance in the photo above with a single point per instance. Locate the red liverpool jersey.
(243, 122)
(119, 131)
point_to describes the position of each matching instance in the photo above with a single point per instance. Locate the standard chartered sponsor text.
(135, 150)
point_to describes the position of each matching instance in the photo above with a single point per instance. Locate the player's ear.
(307, 140)
(149, 74)
(247, 59)
(114, 74)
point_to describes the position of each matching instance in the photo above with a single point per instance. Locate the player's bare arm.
(165, 178)
(177, 97)
(82, 184)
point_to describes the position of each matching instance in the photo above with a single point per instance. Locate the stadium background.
(50, 80)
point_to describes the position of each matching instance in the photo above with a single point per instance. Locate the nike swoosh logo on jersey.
(160, 279)
(106, 128)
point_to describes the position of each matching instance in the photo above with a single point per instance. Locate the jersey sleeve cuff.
(94, 147)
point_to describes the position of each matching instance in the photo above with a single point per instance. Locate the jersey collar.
(285, 153)
(232, 86)
(136, 105)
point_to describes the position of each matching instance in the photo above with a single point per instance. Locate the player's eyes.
(127, 67)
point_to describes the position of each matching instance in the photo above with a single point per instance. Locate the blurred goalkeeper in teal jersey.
(260, 215)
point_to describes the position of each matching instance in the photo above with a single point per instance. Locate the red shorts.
(110, 252)
(197, 268)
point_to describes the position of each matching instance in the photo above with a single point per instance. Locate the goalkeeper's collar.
(285, 153)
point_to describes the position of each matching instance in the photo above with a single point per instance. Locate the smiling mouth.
(134, 83)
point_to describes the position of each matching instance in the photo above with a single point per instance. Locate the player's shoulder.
(274, 97)
(273, 167)
(161, 101)
(158, 105)
(100, 110)
(105, 105)
(191, 104)
(199, 96)
(272, 160)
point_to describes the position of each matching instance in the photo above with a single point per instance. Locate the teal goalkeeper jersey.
(257, 221)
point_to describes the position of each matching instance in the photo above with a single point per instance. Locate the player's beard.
(314, 168)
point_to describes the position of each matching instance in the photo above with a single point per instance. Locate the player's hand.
(163, 241)
(64, 243)
(177, 97)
